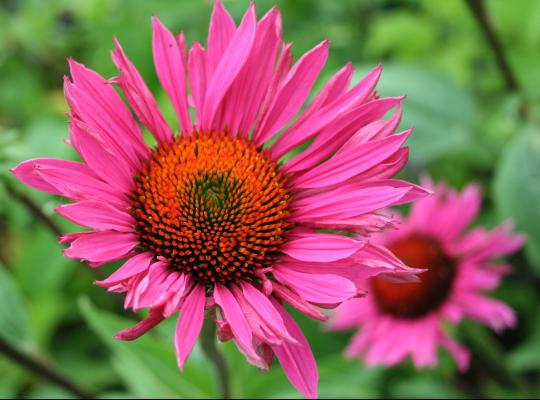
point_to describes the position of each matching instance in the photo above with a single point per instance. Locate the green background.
(470, 125)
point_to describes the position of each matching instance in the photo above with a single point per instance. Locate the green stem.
(208, 344)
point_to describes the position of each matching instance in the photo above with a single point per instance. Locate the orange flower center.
(411, 300)
(215, 207)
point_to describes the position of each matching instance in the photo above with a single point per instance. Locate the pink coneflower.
(398, 320)
(213, 220)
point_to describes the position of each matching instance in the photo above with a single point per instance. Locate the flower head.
(405, 319)
(221, 218)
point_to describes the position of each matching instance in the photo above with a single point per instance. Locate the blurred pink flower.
(215, 218)
(398, 320)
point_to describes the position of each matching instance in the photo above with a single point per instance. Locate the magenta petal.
(351, 162)
(293, 91)
(135, 265)
(220, 34)
(26, 172)
(140, 98)
(321, 247)
(197, 65)
(97, 215)
(100, 156)
(142, 327)
(171, 70)
(297, 360)
(239, 325)
(105, 107)
(317, 288)
(102, 246)
(229, 66)
(189, 324)
(346, 201)
(265, 309)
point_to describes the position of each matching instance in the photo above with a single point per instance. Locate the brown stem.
(478, 9)
(33, 207)
(41, 369)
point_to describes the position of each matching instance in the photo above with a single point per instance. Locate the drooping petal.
(317, 288)
(189, 324)
(297, 360)
(321, 247)
(142, 327)
(240, 327)
(135, 265)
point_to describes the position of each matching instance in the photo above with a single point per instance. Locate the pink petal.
(139, 97)
(346, 201)
(100, 157)
(26, 172)
(142, 327)
(297, 360)
(67, 178)
(315, 288)
(189, 324)
(171, 71)
(265, 309)
(102, 246)
(97, 215)
(297, 302)
(335, 135)
(239, 325)
(293, 91)
(105, 125)
(229, 66)
(107, 102)
(350, 163)
(337, 116)
(197, 65)
(244, 98)
(220, 34)
(135, 265)
(321, 247)
(460, 353)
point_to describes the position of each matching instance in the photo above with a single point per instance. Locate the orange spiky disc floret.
(411, 300)
(214, 206)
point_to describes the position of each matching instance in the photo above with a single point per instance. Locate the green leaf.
(148, 365)
(517, 189)
(15, 325)
(425, 387)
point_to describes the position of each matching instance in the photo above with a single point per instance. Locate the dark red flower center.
(214, 206)
(411, 300)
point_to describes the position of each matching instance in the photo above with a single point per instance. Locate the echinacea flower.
(212, 220)
(401, 320)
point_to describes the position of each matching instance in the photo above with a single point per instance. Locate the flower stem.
(478, 9)
(43, 369)
(208, 344)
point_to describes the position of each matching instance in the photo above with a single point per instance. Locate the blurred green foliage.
(468, 127)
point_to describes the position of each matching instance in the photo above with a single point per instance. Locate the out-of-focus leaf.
(425, 387)
(517, 189)
(525, 357)
(441, 112)
(14, 325)
(147, 365)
